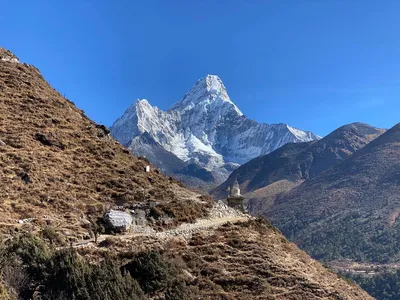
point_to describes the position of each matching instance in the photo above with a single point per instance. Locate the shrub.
(32, 252)
(48, 233)
(152, 271)
(77, 279)
(32, 268)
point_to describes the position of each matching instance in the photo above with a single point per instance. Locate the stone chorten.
(235, 189)
(235, 199)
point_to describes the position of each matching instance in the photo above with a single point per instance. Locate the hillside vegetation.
(247, 260)
(351, 210)
(58, 166)
(61, 171)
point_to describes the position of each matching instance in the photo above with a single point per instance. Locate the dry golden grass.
(4, 294)
(57, 164)
(243, 260)
(253, 260)
(262, 199)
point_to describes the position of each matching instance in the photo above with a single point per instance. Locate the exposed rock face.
(118, 220)
(205, 128)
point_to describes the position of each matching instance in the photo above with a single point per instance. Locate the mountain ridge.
(356, 198)
(292, 164)
(60, 172)
(57, 164)
(206, 128)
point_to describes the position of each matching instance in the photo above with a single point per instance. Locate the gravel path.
(219, 215)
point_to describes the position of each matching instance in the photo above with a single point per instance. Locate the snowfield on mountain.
(205, 128)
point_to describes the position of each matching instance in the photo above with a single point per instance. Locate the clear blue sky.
(315, 65)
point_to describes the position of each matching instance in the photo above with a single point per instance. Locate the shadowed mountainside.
(351, 210)
(266, 177)
(190, 173)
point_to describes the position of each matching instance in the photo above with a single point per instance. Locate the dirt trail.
(219, 215)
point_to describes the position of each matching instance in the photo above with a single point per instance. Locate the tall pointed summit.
(205, 129)
(209, 92)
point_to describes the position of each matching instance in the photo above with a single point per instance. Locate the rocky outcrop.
(118, 220)
(7, 55)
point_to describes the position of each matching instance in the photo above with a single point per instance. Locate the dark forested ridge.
(384, 286)
(350, 210)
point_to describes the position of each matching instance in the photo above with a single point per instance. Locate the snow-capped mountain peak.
(142, 102)
(205, 128)
(208, 93)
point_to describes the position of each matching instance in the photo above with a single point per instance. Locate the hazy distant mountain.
(269, 175)
(205, 128)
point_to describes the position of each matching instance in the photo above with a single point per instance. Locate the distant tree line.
(385, 286)
(351, 236)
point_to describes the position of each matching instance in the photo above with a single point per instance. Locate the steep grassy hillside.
(59, 169)
(56, 165)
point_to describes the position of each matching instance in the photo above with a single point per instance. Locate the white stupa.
(235, 189)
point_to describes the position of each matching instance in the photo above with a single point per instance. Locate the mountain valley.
(336, 199)
(61, 173)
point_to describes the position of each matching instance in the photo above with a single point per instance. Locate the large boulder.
(118, 220)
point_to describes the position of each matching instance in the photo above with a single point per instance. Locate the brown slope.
(57, 164)
(349, 211)
(265, 177)
(263, 170)
(245, 260)
(253, 260)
